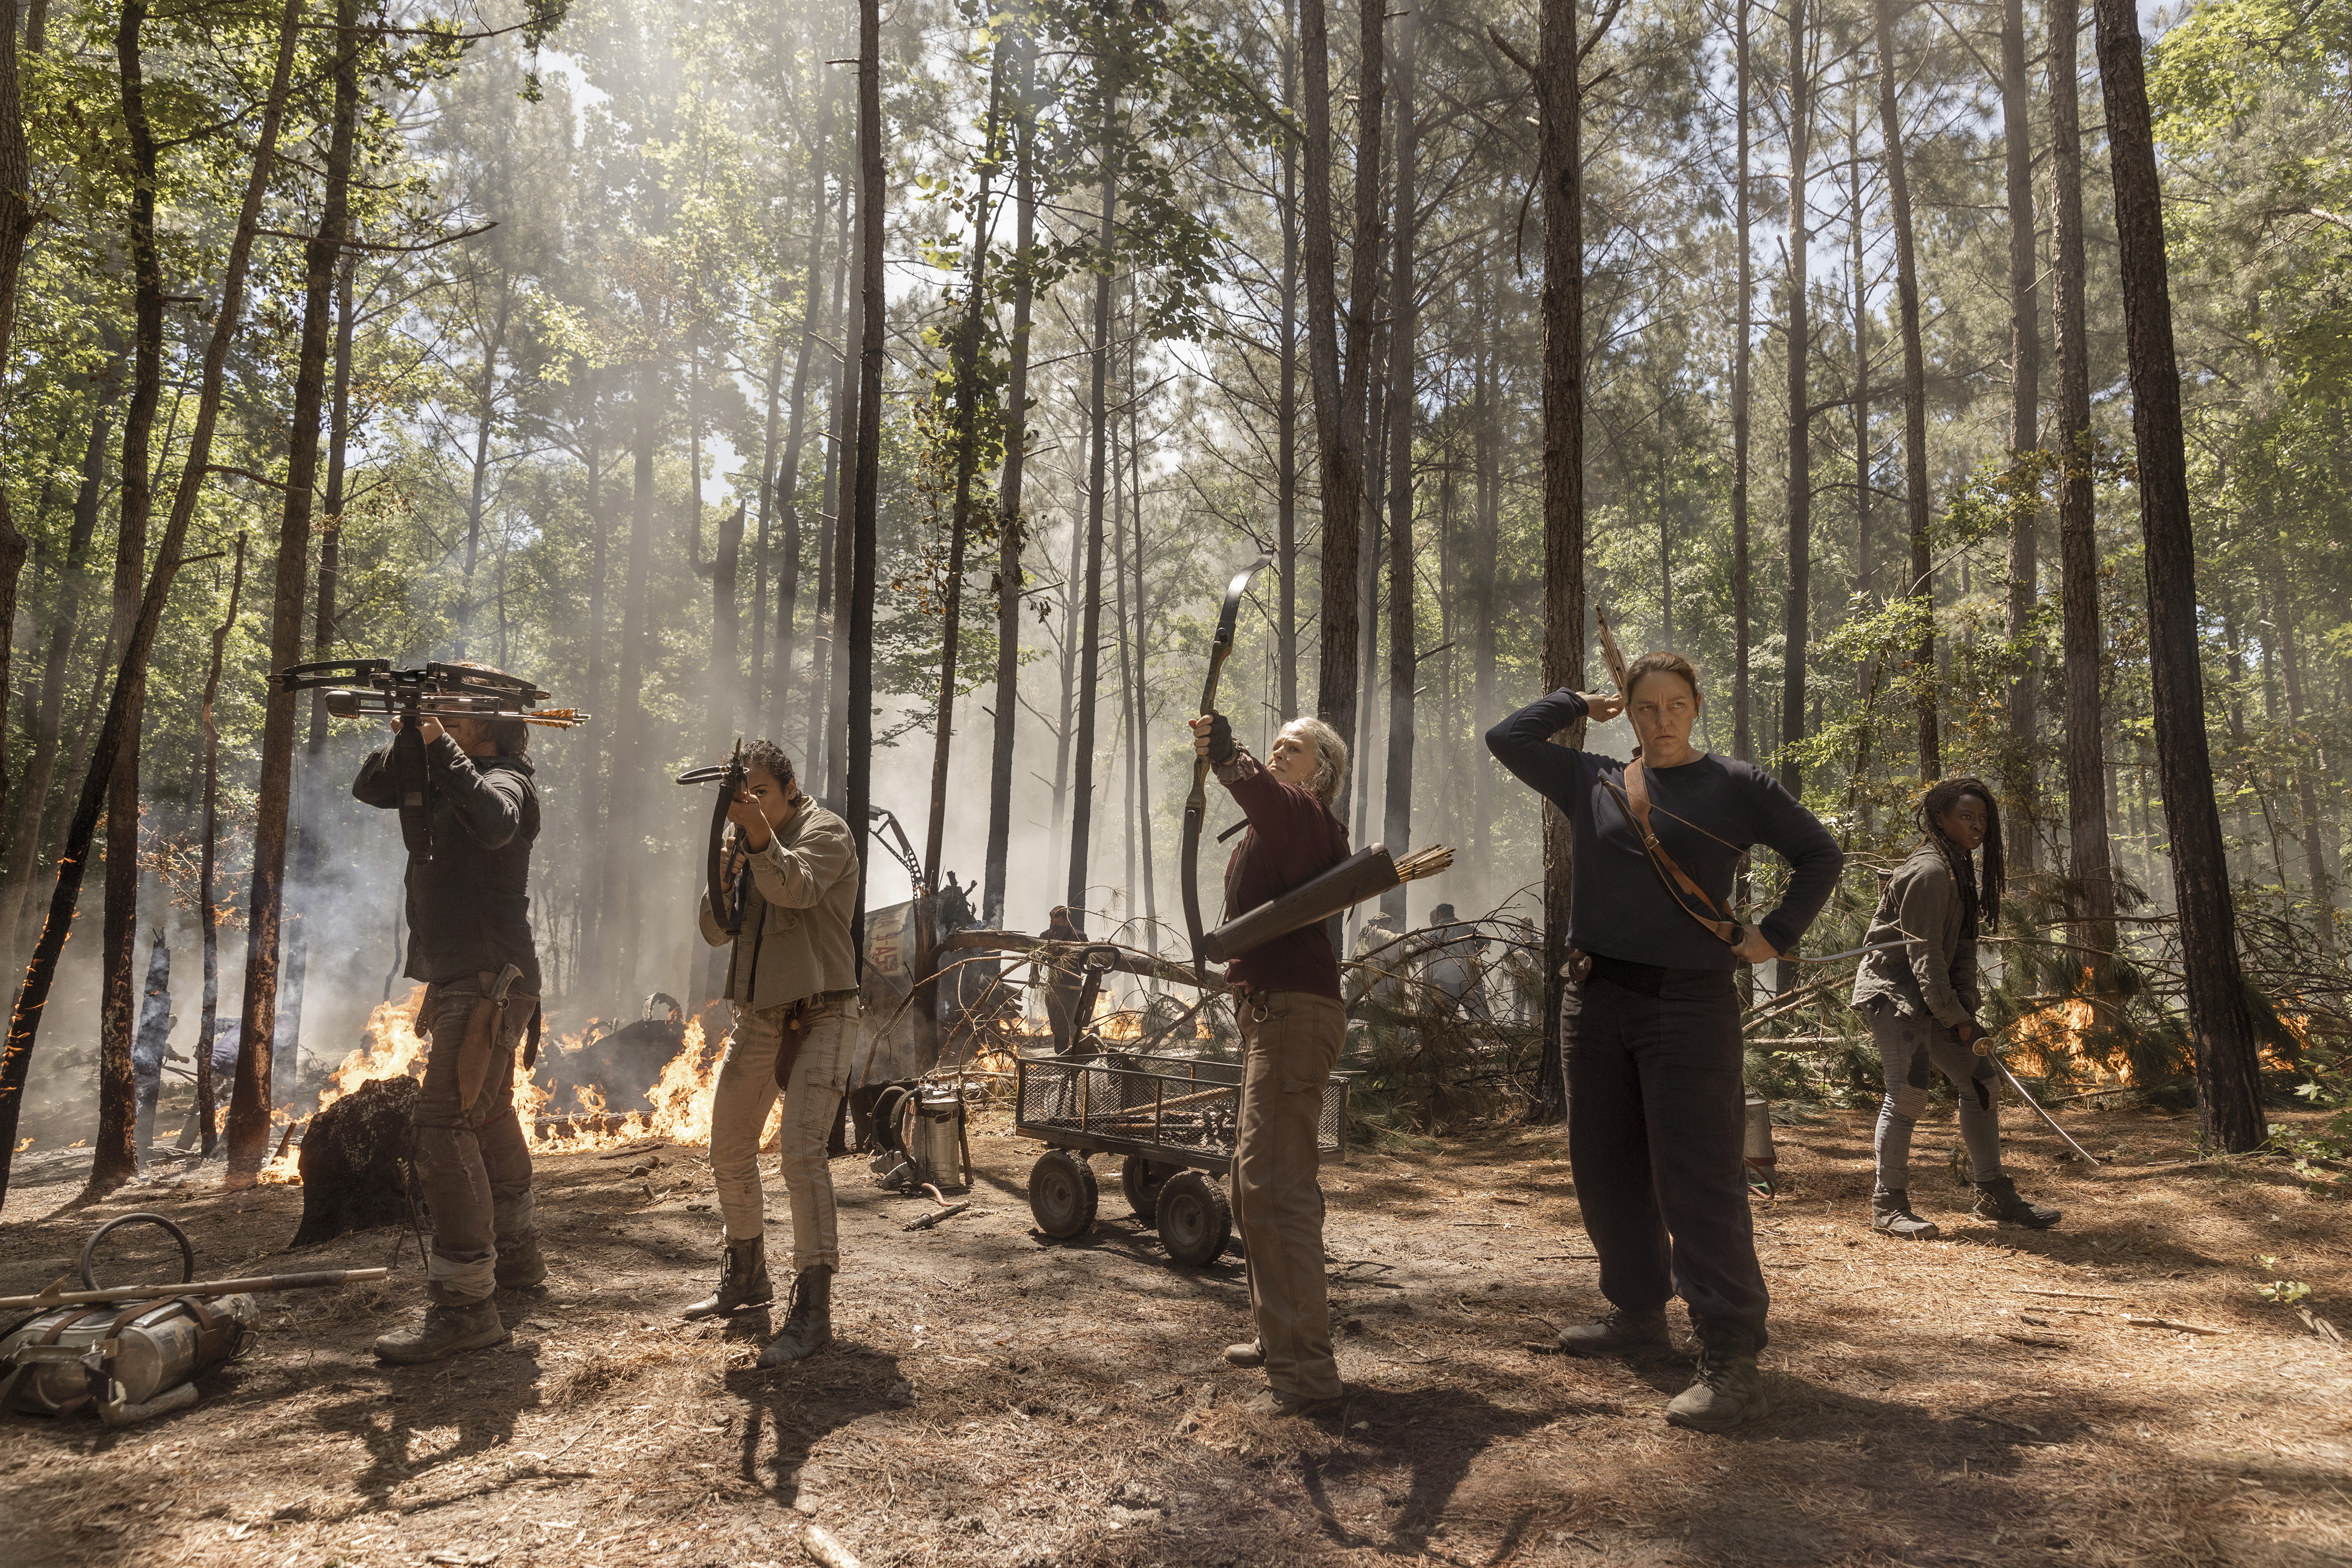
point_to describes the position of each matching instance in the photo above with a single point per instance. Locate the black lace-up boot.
(742, 1282)
(1890, 1215)
(1998, 1200)
(808, 1326)
(1619, 1332)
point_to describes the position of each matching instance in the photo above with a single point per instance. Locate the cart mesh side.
(1133, 1099)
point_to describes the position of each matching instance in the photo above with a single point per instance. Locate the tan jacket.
(1933, 972)
(795, 941)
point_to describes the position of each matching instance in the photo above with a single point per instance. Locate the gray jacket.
(795, 941)
(1933, 972)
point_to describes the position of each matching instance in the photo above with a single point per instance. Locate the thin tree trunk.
(788, 570)
(1860, 281)
(2227, 1080)
(756, 687)
(1337, 434)
(1285, 451)
(1396, 825)
(64, 626)
(1010, 529)
(618, 980)
(2024, 841)
(111, 1166)
(844, 539)
(485, 416)
(310, 828)
(2315, 850)
(207, 917)
(1561, 165)
(595, 821)
(1800, 502)
(1742, 357)
(16, 220)
(1089, 661)
(1067, 712)
(866, 501)
(1487, 534)
(966, 426)
(843, 401)
(1142, 729)
(249, 1103)
(1915, 396)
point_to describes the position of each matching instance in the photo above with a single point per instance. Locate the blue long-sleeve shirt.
(1705, 813)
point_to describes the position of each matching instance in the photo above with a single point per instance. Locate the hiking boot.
(1618, 1332)
(1282, 1402)
(445, 1331)
(1890, 1215)
(742, 1280)
(1998, 1200)
(520, 1267)
(1251, 1354)
(1726, 1391)
(808, 1326)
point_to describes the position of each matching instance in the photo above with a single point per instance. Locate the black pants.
(1655, 1122)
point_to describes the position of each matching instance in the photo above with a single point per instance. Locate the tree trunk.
(616, 982)
(2025, 838)
(844, 538)
(24, 852)
(1337, 435)
(1285, 449)
(1486, 533)
(1915, 396)
(1069, 662)
(2228, 1081)
(1798, 622)
(2314, 849)
(1009, 526)
(1742, 357)
(249, 1103)
(1089, 660)
(756, 688)
(309, 828)
(118, 729)
(967, 437)
(485, 416)
(1142, 635)
(865, 499)
(207, 917)
(788, 570)
(826, 611)
(1396, 826)
(17, 219)
(1561, 165)
(596, 824)
(1860, 283)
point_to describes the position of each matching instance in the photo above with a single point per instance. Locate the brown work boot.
(1998, 1200)
(1282, 1402)
(808, 1326)
(1728, 1391)
(1249, 1354)
(522, 1267)
(742, 1280)
(1890, 1215)
(1619, 1332)
(446, 1331)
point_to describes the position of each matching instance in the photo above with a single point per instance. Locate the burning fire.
(681, 1099)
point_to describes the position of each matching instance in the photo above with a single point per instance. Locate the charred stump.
(353, 1162)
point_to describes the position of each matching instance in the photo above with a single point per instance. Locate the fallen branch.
(2139, 1323)
(819, 1543)
(2070, 1294)
(926, 1221)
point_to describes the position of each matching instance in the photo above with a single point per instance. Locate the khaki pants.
(472, 1164)
(1287, 1057)
(739, 1111)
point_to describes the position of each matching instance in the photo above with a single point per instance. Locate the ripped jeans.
(1908, 1048)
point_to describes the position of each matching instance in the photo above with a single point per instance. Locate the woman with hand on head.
(1919, 992)
(1650, 1023)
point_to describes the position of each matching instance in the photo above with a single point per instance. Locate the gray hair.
(1330, 756)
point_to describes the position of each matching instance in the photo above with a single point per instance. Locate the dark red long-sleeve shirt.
(1291, 838)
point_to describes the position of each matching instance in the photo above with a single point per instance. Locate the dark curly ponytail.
(1979, 900)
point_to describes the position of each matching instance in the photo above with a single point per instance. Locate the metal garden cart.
(1171, 1118)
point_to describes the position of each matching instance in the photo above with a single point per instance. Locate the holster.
(481, 1044)
(794, 1033)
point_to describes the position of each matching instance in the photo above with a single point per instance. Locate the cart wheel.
(1140, 1180)
(1195, 1220)
(1063, 1195)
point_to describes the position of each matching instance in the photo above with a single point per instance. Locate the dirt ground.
(997, 1398)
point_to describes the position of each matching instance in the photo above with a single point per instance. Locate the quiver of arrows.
(1366, 874)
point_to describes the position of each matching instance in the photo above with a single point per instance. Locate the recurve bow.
(1196, 804)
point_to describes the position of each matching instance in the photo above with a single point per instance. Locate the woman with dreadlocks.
(1919, 992)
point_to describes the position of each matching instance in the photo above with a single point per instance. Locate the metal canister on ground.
(131, 1361)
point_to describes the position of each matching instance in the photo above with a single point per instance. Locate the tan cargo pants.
(739, 1111)
(473, 1167)
(1290, 1043)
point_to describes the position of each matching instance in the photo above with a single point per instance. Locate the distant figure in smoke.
(1921, 1000)
(469, 919)
(1451, 967)
(1063, 984)
(793, 978)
